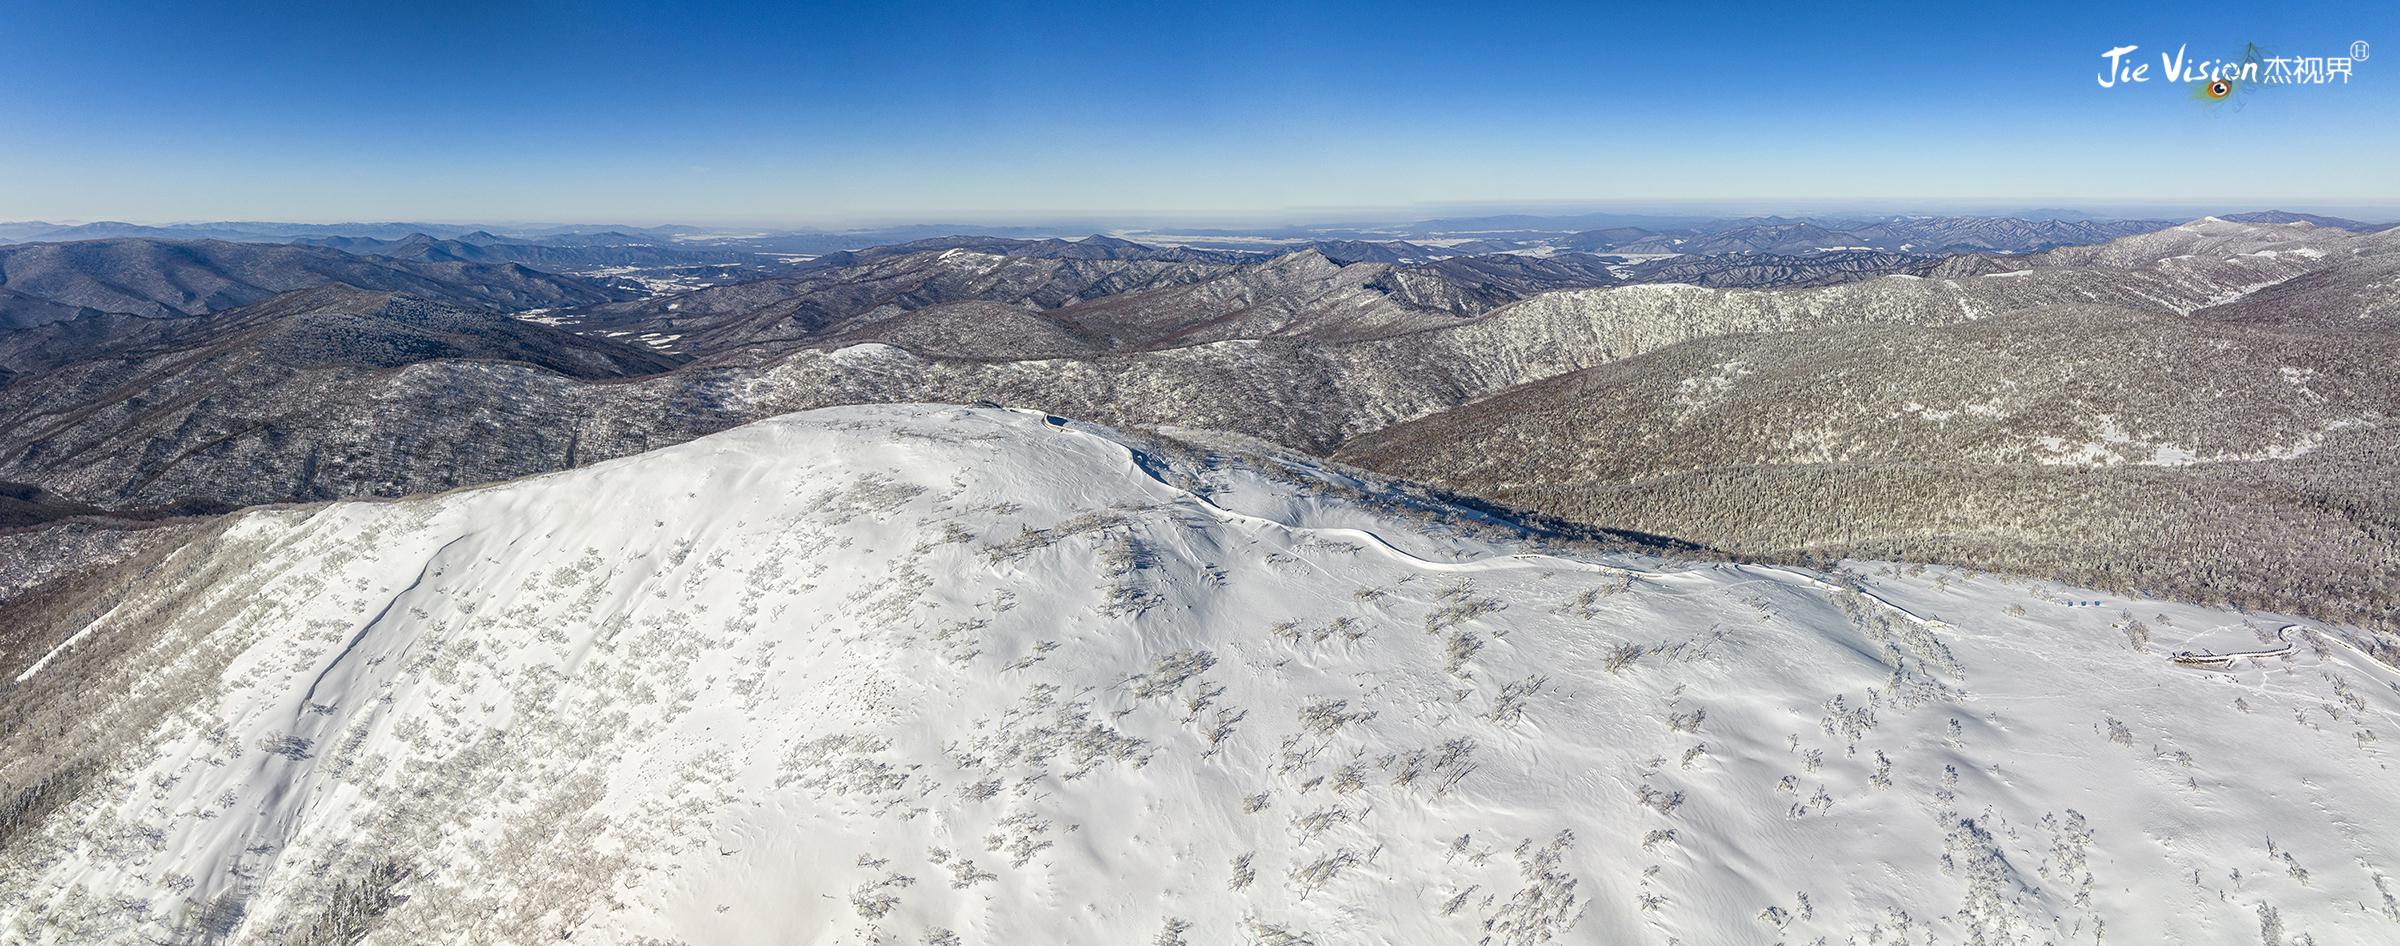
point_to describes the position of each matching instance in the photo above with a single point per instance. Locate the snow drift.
(921, 674)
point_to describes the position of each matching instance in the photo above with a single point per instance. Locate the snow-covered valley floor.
(936, 675)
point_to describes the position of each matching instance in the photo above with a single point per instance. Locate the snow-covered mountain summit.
(921, 674)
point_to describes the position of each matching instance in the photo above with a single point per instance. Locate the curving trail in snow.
(2226, 660)
(1134, 463)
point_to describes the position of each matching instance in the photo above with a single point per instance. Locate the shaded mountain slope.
(261, 382)
(162, 279)
(1094, 247)
(2362, 295)
(1760, 271)
(18, 309)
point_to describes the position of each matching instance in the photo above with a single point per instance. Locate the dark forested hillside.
(2165, 453)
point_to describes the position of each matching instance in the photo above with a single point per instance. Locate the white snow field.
(938, 675)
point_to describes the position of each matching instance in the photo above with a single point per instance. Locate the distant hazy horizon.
(1366, 217)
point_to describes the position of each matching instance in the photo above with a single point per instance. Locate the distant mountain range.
(358, 392)
(484, 247)
(2016, 232)
(982, 297)
(2285, 216)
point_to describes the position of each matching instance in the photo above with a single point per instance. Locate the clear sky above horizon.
(848, 113)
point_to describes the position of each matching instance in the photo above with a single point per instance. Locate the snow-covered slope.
(920, 674)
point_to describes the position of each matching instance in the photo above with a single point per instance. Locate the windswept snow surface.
(921, 674)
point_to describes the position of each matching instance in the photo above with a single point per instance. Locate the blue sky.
(851, 113)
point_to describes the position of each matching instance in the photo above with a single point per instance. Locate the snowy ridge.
(922, 674)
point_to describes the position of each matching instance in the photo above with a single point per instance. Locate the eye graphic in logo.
(2218, 90)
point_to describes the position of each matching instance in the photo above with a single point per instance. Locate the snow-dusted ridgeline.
(919, 674)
